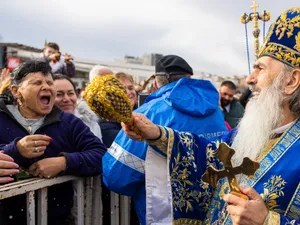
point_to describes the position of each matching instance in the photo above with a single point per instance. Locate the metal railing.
(89, 202)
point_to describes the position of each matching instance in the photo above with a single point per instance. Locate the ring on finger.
(35, 144)
(36, 149)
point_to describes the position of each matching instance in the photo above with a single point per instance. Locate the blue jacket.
(71, 137)
(185, 105)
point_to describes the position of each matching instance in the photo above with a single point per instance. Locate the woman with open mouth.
(45, 140)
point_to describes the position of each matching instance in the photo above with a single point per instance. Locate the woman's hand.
(33, 146)
(49, 167)
(5, 80)
(7, 168)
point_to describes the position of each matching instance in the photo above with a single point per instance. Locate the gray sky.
(207, 33)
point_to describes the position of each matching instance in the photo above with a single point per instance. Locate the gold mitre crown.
(283, 40)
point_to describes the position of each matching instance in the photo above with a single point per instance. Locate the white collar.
(281, 129)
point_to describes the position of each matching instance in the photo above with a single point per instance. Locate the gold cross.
(254, 7)
(224, 154)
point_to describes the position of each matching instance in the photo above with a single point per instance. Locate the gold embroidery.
(292, 134)
(273, 189)
(185, 196)
(286, 25)
(273, 219)
(225, 189)
(277, 151)
(267, 39)
(162, 142)
(282, 53)
(210, 155)
(184, 221)
(267, 149)
(171, 141)
(293, 209)
(297, 46)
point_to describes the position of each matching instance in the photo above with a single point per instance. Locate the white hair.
(263, 114)
(95, 71)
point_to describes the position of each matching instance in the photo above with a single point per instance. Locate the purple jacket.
(71, 137)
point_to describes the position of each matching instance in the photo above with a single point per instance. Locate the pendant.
(29, 129)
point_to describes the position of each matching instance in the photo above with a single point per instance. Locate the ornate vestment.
(124, 168)
(195, 202)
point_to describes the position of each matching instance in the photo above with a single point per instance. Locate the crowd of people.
(48, 130)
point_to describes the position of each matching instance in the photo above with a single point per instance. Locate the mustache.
(254, 88)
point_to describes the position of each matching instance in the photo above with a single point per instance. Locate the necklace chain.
(29, 125)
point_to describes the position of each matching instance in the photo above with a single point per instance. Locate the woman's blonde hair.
(122, 75)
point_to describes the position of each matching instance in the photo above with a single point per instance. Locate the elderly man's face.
(37, 93)
(266, 69)
(264, 112)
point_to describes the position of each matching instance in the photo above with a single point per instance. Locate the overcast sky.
(207, 33)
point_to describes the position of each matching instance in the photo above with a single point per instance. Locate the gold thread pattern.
(184, 221)
(283, 54)
(273, 189)
(162, 142)
(188, 192)
(286, 26)
(297, 38)
(293, 209)
(274, 218)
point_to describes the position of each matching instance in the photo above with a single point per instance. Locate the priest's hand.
(246, 212)
(141, 128)
(49, 167)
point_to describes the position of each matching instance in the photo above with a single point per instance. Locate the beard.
(263, 114)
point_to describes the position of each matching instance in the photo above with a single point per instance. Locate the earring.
(20, 101)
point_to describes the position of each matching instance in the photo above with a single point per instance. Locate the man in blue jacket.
(181, 103)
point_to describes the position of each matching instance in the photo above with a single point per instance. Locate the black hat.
(172, 65)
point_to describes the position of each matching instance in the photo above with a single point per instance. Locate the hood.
(190, 96)
(84, 112)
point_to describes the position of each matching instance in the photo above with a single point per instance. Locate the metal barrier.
(89, 203)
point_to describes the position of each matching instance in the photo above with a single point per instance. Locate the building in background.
(12, 54)
(146, 59)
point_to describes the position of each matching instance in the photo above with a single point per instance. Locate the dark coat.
(235, 113)
(109, 131)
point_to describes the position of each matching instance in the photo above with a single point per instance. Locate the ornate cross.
(254, 7)
(255, 17)
(224, 154)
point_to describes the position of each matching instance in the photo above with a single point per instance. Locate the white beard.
(263, 114)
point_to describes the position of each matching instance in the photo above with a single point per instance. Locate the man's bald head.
(99, 71)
